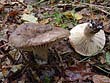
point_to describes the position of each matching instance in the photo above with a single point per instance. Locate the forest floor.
(64, 65)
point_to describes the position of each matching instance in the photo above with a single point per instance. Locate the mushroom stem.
(41, 53)
(92, 28)
(89, 32)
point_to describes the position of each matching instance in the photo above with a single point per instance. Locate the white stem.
(88, 32)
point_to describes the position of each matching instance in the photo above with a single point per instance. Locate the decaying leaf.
(44, 21)
(5, 72)
(79, 72)
(29, 18)
(68, 14)
(78, 16)
(2, 1)
(73, 76)
(71, 14)
(1, 8)
(1, 75)
(28, 9)
(102, 59)
(21, 1)
(101, 79)
(92, 1)
(107, 27)
(16, 67)
(14, 1)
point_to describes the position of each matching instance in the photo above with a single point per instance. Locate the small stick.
(21, 3)
(98, 7)
(4, 45)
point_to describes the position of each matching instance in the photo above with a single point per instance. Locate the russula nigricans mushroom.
(87, 38)
(37, 38)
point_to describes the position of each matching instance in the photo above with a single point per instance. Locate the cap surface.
(31, 34)
(85, 45)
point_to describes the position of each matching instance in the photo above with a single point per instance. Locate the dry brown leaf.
(92, 1)
(1, 8)
(4, 71)
(107, 28)
(101, 79)
(45, 21)
(102, 59)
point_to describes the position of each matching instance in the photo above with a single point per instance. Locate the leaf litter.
(64, 64)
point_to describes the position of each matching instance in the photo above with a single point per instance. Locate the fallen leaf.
(45, 21)
(78, 16)
(21, 1)
(71, 14)
(102, 59)
(92, 1)
(68, 14)
(28, 9)
(13, 13)
(1, 75)
(17, 2)
(101, 79)
(4, 72)
(2, 1)
(72, 76)
(15, 68)
(29, 18)
(107, 28)
(1, 8)
(81, 71)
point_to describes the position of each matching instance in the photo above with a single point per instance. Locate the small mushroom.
(37, 38)
(87, 38)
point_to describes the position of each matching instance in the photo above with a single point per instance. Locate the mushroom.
(37, 38)
(87, 38)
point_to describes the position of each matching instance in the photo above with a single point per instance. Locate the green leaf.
(47, 79)
(63, 25)
(57, 17)
(108, 58)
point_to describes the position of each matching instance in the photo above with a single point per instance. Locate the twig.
(4, 45)
(98, 7)
(60, 58)
(22, 3)
(93, 5)
(8, 56)
(88, 57)
(18, 58)
(102, 69)
(101, 8)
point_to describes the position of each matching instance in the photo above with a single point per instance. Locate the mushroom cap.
(86, 45)
(31, 34)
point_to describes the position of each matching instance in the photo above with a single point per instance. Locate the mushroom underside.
(88, 46)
